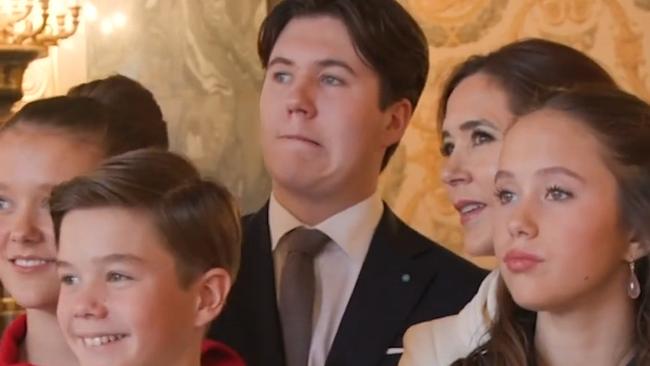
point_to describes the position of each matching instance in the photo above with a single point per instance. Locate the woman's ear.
(213, 288)
(635, 250)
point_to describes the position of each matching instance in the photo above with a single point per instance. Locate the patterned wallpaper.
(199, 59)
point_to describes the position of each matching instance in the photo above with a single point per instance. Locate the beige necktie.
(297, 292)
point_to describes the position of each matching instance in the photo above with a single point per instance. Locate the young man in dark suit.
(329, 275)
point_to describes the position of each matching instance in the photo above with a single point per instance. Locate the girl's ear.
(213, 288)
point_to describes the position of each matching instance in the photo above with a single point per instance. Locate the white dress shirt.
(336, 268)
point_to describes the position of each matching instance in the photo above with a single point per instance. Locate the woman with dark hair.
(572, 235)
(479, 103)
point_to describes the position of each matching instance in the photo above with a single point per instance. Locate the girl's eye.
(4, 204)
(504, 196)
(117, 277)
(481, 137)
(556, 193)
(332, 80)
(446, 149)
(69, 280)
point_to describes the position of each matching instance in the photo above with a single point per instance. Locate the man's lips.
(300, 138)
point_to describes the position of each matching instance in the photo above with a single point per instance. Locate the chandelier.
(27, 29)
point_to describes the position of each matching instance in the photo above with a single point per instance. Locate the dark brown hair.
(131, 103)
(621, 122)
(198, 219)
(384, 34)
(529, 71)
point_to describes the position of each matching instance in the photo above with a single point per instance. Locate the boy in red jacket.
(147, 254)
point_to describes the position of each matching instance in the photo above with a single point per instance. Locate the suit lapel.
(388, 287)
(258, 281)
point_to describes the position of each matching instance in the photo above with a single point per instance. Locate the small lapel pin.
(406, 277)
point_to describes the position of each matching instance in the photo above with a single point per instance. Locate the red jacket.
(212, 353)
(12, 337)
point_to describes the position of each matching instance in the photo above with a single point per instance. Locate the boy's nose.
(89, 305)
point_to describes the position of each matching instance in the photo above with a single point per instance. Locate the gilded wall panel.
(199, 59)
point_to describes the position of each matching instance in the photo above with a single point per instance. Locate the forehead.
(478, 96)
(99, 232)
(549, 137)
(306, 38)
(32, 155)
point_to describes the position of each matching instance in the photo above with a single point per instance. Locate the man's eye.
(281, 77)
(332, 80)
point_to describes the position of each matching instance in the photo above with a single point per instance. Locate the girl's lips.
(519, 261)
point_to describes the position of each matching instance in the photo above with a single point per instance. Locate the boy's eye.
(117, 277)
(4, 204)
(446, 149)
(481, 137)
(556, 193)
(331, 80)
(504, 196)
(68, 279)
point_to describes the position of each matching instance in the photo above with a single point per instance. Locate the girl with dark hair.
(572, 235)
(479, 103)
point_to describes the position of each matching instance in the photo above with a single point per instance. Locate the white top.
(442, 341)
(336, 268)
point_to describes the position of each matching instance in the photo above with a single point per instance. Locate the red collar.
(12, 338)
(214, 353)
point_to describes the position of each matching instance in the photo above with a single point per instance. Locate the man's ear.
(213, 288)
(399, 116)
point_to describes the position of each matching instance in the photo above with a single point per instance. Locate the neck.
(599, 332)
(44, 342)
(314, 209)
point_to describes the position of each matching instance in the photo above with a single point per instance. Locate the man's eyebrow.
(329, 62)
(280, 60)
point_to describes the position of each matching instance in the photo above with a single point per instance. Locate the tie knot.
(306, 241)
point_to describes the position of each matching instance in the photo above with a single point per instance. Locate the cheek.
(483, 164)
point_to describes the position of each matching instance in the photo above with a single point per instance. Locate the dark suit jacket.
(405, 279)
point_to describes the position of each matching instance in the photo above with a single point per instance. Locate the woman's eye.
(69, 280)
(504, 196)
(117, 277)
(446, 149)
(481, 137)
(557, 194)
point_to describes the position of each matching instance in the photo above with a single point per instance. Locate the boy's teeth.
(30, 262)
(100, 341)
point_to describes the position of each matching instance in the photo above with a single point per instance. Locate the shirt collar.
(351, 229)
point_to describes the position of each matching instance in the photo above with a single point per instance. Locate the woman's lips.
(469, 210)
